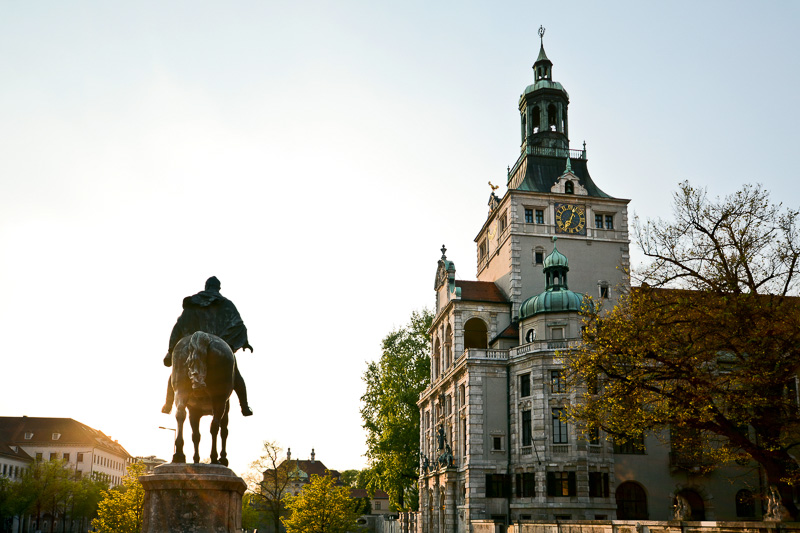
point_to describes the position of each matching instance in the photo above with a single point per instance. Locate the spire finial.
(541, 35)
(443, 251)
(554, 239)
(569, 164)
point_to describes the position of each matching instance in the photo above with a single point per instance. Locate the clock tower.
(550, 193)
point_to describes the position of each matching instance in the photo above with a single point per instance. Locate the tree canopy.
(707, 348)
(390, 413)
(121, 510)
(321, 507)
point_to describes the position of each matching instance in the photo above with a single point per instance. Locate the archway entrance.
(631, 502)
(475, 334)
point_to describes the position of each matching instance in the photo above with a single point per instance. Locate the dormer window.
(28, 435)
(56, 436)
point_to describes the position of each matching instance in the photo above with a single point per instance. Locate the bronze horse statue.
(202, 378)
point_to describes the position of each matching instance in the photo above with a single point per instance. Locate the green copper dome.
(556, 259)
(560, 300)
(557, 298)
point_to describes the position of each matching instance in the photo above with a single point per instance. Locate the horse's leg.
(194, 420)
(217, 412)
(223, 454)
(180, 418)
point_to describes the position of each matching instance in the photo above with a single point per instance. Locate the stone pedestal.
(192, 498)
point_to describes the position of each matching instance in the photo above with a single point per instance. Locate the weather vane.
(541, 34)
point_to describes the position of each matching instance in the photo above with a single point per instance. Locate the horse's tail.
(198, 355)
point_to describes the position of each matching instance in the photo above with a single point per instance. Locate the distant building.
(87, 451)
(149, 462)
(13, 461)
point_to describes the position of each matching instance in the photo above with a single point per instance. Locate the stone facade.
(495, 446)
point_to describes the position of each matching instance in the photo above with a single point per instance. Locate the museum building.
(494, 442)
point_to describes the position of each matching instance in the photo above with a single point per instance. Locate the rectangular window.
(497, 444)
(53, 456)
(540, 216)
(558, 384)
(594, 436)
(526, 485)
(598, 221)
(483, 250)
(524, 385)
(560, 435)
(538, 257)
(28, 435)
(609, 221)
(66, 457)
(464, 437)
(604, 291)
(503, 223)
(38, 456)
(598, 485)
(377, 506)
(561, 484)
(80, 457)
(528, 216)
(498, 486)
(634, 446)
(527, 433)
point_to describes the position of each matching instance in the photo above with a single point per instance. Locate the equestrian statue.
(204, 372)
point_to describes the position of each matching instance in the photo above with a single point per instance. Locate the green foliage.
(120, 511)
(251, 517)
(49, 487)
(714, 358)
(321, 507)
(390, 413)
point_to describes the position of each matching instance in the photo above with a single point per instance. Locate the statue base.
(196, 498)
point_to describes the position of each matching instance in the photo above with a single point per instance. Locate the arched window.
(745, 504)
(552, 117)
(569, 187)
(536, 118)
(448, 345)
(524, 127)
(696, 503)
(631, 502)
(475, 334)
(435, 370)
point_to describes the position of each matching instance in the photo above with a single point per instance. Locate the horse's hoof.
(223, 462)
(246, 411)
(167, 409)
(178, 458)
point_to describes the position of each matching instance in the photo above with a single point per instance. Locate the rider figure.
(212, 313)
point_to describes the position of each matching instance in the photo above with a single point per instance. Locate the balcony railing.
(482, 353)
(544, 346)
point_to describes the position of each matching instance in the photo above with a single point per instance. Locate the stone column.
(195, 498)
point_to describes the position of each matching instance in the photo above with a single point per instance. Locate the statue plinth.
(196, 498)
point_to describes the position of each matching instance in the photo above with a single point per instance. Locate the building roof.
(481, 291)
(362, 493)
(7, 450)
(55, 432)
(543, 171)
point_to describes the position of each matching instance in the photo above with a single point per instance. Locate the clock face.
(571, 219)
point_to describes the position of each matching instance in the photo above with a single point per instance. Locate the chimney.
(312, 455)
(288, 454)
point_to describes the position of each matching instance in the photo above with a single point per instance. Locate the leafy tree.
(321, 507)
(708, 347)
(268, 481)
(120, 511)
(44, 488)
(390, 413)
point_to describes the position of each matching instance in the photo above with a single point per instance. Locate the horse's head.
(196, 362)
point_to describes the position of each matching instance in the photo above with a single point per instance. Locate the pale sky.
(314, 156)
